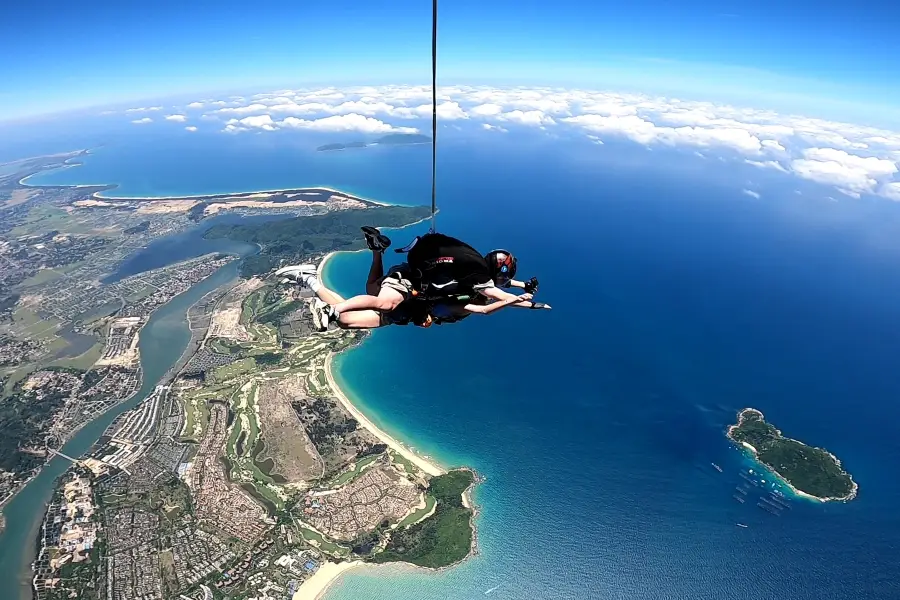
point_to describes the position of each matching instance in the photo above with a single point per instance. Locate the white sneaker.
(321, 314)
(295, 273)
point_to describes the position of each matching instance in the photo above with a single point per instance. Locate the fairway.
(240, 367)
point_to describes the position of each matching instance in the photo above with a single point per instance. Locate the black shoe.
(375, 240)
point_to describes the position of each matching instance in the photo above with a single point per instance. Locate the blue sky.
(838, 59)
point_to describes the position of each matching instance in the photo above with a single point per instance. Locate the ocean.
(677, 301)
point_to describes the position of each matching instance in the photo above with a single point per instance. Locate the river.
(162, 341)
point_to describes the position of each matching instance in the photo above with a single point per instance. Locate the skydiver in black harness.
(443, 281)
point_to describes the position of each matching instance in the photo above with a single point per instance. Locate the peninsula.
(811, 472)
(247, 470)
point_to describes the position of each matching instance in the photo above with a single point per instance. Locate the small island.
(808, 471)
(393, 139)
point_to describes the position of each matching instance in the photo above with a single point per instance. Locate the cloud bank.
(854, 159)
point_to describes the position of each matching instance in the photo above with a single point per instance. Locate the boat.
(771, 503)
(749, 479)
(768, 508)
(738, 498)
(717, 467)
(778, 500)
(741, 525)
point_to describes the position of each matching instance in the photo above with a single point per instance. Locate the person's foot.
(296, 273)
(322, 315)
(375, 240)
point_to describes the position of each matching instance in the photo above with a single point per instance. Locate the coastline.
(99, 195)
(426, 465)
(798, 492)
(316, 586)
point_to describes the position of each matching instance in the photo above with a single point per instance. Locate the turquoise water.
(677, 302)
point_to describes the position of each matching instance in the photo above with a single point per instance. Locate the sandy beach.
(316, 586)
(102, 196)
(425, 465)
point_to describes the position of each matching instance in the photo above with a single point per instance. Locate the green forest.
(445, 537)
(289, 240)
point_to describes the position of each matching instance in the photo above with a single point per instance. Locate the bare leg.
(329, 296)
(376, 272)
(386, 300)
(360, 319)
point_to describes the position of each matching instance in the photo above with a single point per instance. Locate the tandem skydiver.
(444, 281)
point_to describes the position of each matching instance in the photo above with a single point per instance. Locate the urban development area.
(243, 471)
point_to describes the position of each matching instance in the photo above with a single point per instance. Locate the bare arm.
(509, 300)
(530, 286)
(523, 301)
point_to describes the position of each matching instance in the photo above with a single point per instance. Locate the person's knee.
(388, 302)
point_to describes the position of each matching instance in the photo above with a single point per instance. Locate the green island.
(392, 139)
(810, 471)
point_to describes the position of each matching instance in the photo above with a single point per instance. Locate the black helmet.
(502, 265)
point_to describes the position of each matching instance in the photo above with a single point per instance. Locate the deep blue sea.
(677, 301)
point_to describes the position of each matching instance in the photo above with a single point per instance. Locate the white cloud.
(195, 105)
(242, 110)
(176, 118)
(142, 121)
(264, 122)
(143, 109)
(490, 127)
(751, 193)
(767, 164)
(363, 107)
(849, 173)
(190, 128)
(609, 109)
(351, 122)
(891, 190)
(451, 111)
(643, 131)
(765, 139)
(487, 110)
(530, 117)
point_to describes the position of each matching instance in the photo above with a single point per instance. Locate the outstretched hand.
(526, 297)
(531, 286)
